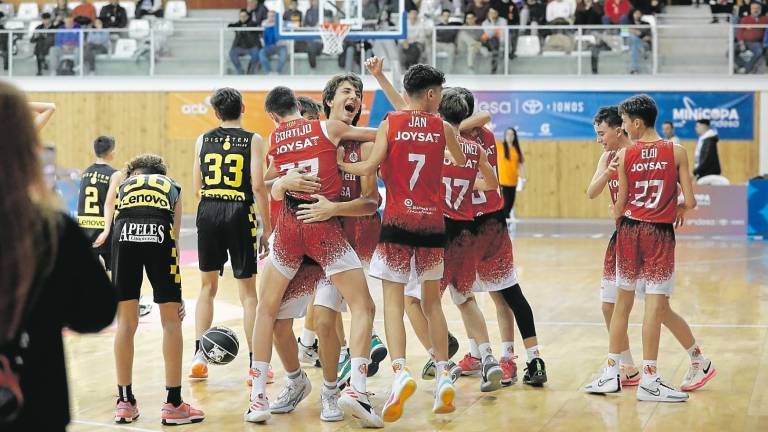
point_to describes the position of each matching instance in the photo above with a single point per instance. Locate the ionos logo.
(142, 233)
(532, 106)
(721, 117)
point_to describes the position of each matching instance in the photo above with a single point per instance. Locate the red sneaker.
(182, 414)
(126, 412)
(509, 369)
(470, 365)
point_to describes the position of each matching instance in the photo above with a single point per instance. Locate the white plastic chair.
(7, 9)
(130, 9)
(15, 25)
(175, 9)
(125, 49)
(138, 29)
(28, 11)
(528, 46)
(49, 7)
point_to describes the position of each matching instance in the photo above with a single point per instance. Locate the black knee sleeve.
(522, 310)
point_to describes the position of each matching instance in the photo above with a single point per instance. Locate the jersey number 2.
(91, 200)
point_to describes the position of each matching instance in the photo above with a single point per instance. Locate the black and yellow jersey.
(94, 184)
(147, 195)
(225, 164)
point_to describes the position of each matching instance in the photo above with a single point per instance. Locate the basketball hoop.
(333, 35)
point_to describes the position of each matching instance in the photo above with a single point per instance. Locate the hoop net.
(333, 35)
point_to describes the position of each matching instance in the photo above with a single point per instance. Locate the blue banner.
(568, 115)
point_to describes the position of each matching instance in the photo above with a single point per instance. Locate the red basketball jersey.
(613, 182)
(350, 183)
(412, 172)
(459, 182)
(652, 177)
(304, 144)
(486, 201)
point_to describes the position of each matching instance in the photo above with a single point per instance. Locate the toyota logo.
(532, 106)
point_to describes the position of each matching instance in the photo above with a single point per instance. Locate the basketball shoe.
(308, 354)
(509, 370)
(535, 373)
(428, 372)
(180, 415)
(491, 376)
(126, 412)
(444, 395)
(698, 374)
(658, 391)
(630, 376)
(329, 405)
(378, 354)
(258, 410)
(604, 384)
(470, 365)
(403, 388)
(453, 345)
(358, 405)
(344, 369)
(252, 373)
(295, 391)
(199, 370)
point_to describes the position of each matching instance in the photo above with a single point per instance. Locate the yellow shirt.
(507, 167)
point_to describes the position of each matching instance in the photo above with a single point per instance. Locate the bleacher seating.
(125, 49)
(7, 10)
(28, 11)
(138, 29)
(175, 9)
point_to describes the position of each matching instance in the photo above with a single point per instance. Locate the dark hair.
(329, 92)
(146, 164)
(641, 107)
(280, 101)
(45, 15)
(452, 107)
(307, 105)
(243, 10)
(468, 14)
(669, 123)
(609, 115)
(705, 122)
(444, 11)
(103, 145)
(421, 77)
(469, 98)
(515, 143)
(228, 103)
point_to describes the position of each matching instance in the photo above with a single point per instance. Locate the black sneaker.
(453, 345)
(535, 373)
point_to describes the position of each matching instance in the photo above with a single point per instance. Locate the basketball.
(219, 345)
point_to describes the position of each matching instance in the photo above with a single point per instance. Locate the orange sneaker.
(182, 414)
(126, 412)
(252, 374)
(509, 369)
(199, 369)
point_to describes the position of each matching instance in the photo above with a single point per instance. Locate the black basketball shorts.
(140, 244)
(104, 251)
(226, 226)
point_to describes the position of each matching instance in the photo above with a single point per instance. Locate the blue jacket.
(68, 37)
(270, 36)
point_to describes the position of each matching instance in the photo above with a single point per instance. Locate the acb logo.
(194, 109)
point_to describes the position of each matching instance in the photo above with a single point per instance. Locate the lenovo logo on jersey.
(417, 136)
(142, 233)
(149, 199)
(297, 145)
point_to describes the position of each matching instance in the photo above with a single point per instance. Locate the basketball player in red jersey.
(611, 136)
(647, 212)
(413, 231)
(298, 143)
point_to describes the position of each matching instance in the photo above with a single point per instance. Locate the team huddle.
(314, 183)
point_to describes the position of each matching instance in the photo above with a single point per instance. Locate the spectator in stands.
(429, 10)
(560, 10)
(469, 40)
(413, 46)
(313, 48)
(706, 160)
(272, 46)
(750, 40)
(66, 43)
(455, 6)
(113, 15)
(616, 11)
(479, 8)
(647, 7)
(149, 7)
(722, 7)
(60, 12)
(534, 13)
(745, 8)
(85, 9)
(245, 43)
(257, 10)
(43, 42)
(493, 27)
(96, 42)
(370, 10)
(3, 42)
(669, 132)
(510, 11)
(588, 13)
(292, 15)
(446, 39)
(386, 48)
(638, 39)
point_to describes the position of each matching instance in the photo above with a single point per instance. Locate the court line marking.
(113, 426)
(602, 324)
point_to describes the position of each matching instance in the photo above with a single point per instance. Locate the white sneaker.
(258, 410)
(295, 391)
(199, 368)
(403, 388)
(329, 401)
(359, 406)
(308, 354)
(604, 384)
(445, 395)
(658, 391)
(698, 374)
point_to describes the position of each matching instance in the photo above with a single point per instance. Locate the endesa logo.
(196, 108)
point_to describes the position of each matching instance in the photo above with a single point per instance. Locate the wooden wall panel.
(558, 171)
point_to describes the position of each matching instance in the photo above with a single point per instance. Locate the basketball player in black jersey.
(226, 221)
(144, 238)
(94, 185)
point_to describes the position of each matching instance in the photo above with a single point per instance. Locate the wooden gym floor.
(722, 290)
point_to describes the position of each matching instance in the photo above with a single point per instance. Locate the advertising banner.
(721, 210)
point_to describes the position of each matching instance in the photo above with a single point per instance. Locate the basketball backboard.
(368, 19)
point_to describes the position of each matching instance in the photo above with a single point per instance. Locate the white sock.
(359, 374)
(532, 352)
(292, 375)
(508, 349)
(612, 365)
(307, 338)
(695, 353)
(373, 331)
(260, 380)
(398, 365)
(431, 353)
(649, 372)
(474, 351)
(440, 367)
(485, 351)
(330, 385)
(626, 358)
